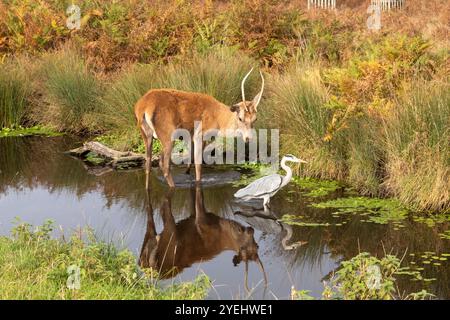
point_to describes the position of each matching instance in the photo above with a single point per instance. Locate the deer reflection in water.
(200, 237)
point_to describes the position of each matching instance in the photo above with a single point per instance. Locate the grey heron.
(265, 187)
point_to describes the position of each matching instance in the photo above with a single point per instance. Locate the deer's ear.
(234, 108)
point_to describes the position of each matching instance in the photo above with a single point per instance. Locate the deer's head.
(245, 111)
(247, 249)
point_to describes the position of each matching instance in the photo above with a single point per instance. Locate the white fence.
(387, 5)
(324, 4)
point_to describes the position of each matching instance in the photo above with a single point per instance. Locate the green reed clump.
(71, 91)
(295, 105)
(417, 147)
(364, 154)
(14, 94)
(365, 277)
(33, 265)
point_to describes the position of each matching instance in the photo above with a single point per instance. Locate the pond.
(204, 229)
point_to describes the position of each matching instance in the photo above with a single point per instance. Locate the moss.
(316, 187)
(95, 159)
(377, 210)
(31, 131)
(296, 220)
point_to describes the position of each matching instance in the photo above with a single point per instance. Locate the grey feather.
(260, 187)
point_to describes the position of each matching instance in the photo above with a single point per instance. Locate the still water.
(204, 229)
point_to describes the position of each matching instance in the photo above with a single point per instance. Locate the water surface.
(195, 230)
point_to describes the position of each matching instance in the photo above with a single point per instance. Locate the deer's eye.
(241, 119)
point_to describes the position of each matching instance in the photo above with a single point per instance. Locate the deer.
(160, 112)
(200, 237)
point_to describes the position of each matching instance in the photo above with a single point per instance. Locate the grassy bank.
(35, 266)
(370, 109)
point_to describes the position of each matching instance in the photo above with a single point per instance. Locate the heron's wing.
(261, 186)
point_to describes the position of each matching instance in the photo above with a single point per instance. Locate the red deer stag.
(198, 238)
(161, 111)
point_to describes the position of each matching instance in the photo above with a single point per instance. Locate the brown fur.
(168, 110)
(198, 238)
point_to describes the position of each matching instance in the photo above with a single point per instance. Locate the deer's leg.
(188, 170)
(166, 161)
(198, 159)
(161, 161)
(201, 219)
(147, 135)
(166, 213)
(147, 258)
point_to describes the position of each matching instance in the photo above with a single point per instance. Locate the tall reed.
(295, 105)
(71, 91)
(417, 147)
(14, 94)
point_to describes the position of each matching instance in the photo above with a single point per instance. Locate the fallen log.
(112, 158)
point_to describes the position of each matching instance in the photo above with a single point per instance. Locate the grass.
(295, 106)
(14, 94)
(72, 92)
(417, 146)
(393, 144)
(35, 266)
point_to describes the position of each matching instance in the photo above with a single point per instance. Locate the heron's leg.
(266, 203)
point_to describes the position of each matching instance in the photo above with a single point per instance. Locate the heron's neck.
(288, 170)
(287, 237)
